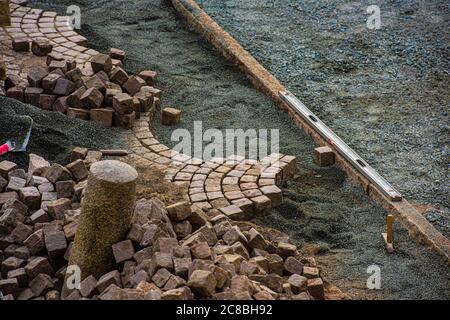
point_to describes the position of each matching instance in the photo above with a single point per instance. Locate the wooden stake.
(388, 237)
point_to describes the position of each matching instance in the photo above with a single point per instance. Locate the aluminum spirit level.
(341, 147)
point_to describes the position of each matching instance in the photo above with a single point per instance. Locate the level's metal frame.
(341, 147)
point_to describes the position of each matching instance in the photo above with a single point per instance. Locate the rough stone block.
(170, 116)
(102, 116)
(324, 156)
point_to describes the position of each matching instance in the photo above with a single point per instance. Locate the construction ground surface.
(322, 210)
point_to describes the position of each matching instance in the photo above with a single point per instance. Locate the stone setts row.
(239, 187)
(177, 252)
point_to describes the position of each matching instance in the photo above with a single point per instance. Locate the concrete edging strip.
(418, 227)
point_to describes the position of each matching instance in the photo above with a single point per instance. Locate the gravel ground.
(321, 208)
(385, 91)
(53, 134)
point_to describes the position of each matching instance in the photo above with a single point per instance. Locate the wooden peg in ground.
(388, 236)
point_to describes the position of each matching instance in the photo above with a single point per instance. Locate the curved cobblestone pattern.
(238, 187)
(32, 24)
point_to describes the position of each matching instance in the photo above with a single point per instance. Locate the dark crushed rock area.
(53, 135)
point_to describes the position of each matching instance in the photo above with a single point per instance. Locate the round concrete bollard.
(106, 214)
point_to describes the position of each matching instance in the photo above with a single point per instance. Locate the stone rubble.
(178, 252)
(104, 93)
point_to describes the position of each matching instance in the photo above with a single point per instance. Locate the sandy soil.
(321, 208)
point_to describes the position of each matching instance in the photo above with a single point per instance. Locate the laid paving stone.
(262, 204)
(233, 212)
(274, 194)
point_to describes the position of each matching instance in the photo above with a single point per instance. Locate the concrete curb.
(418, 227)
